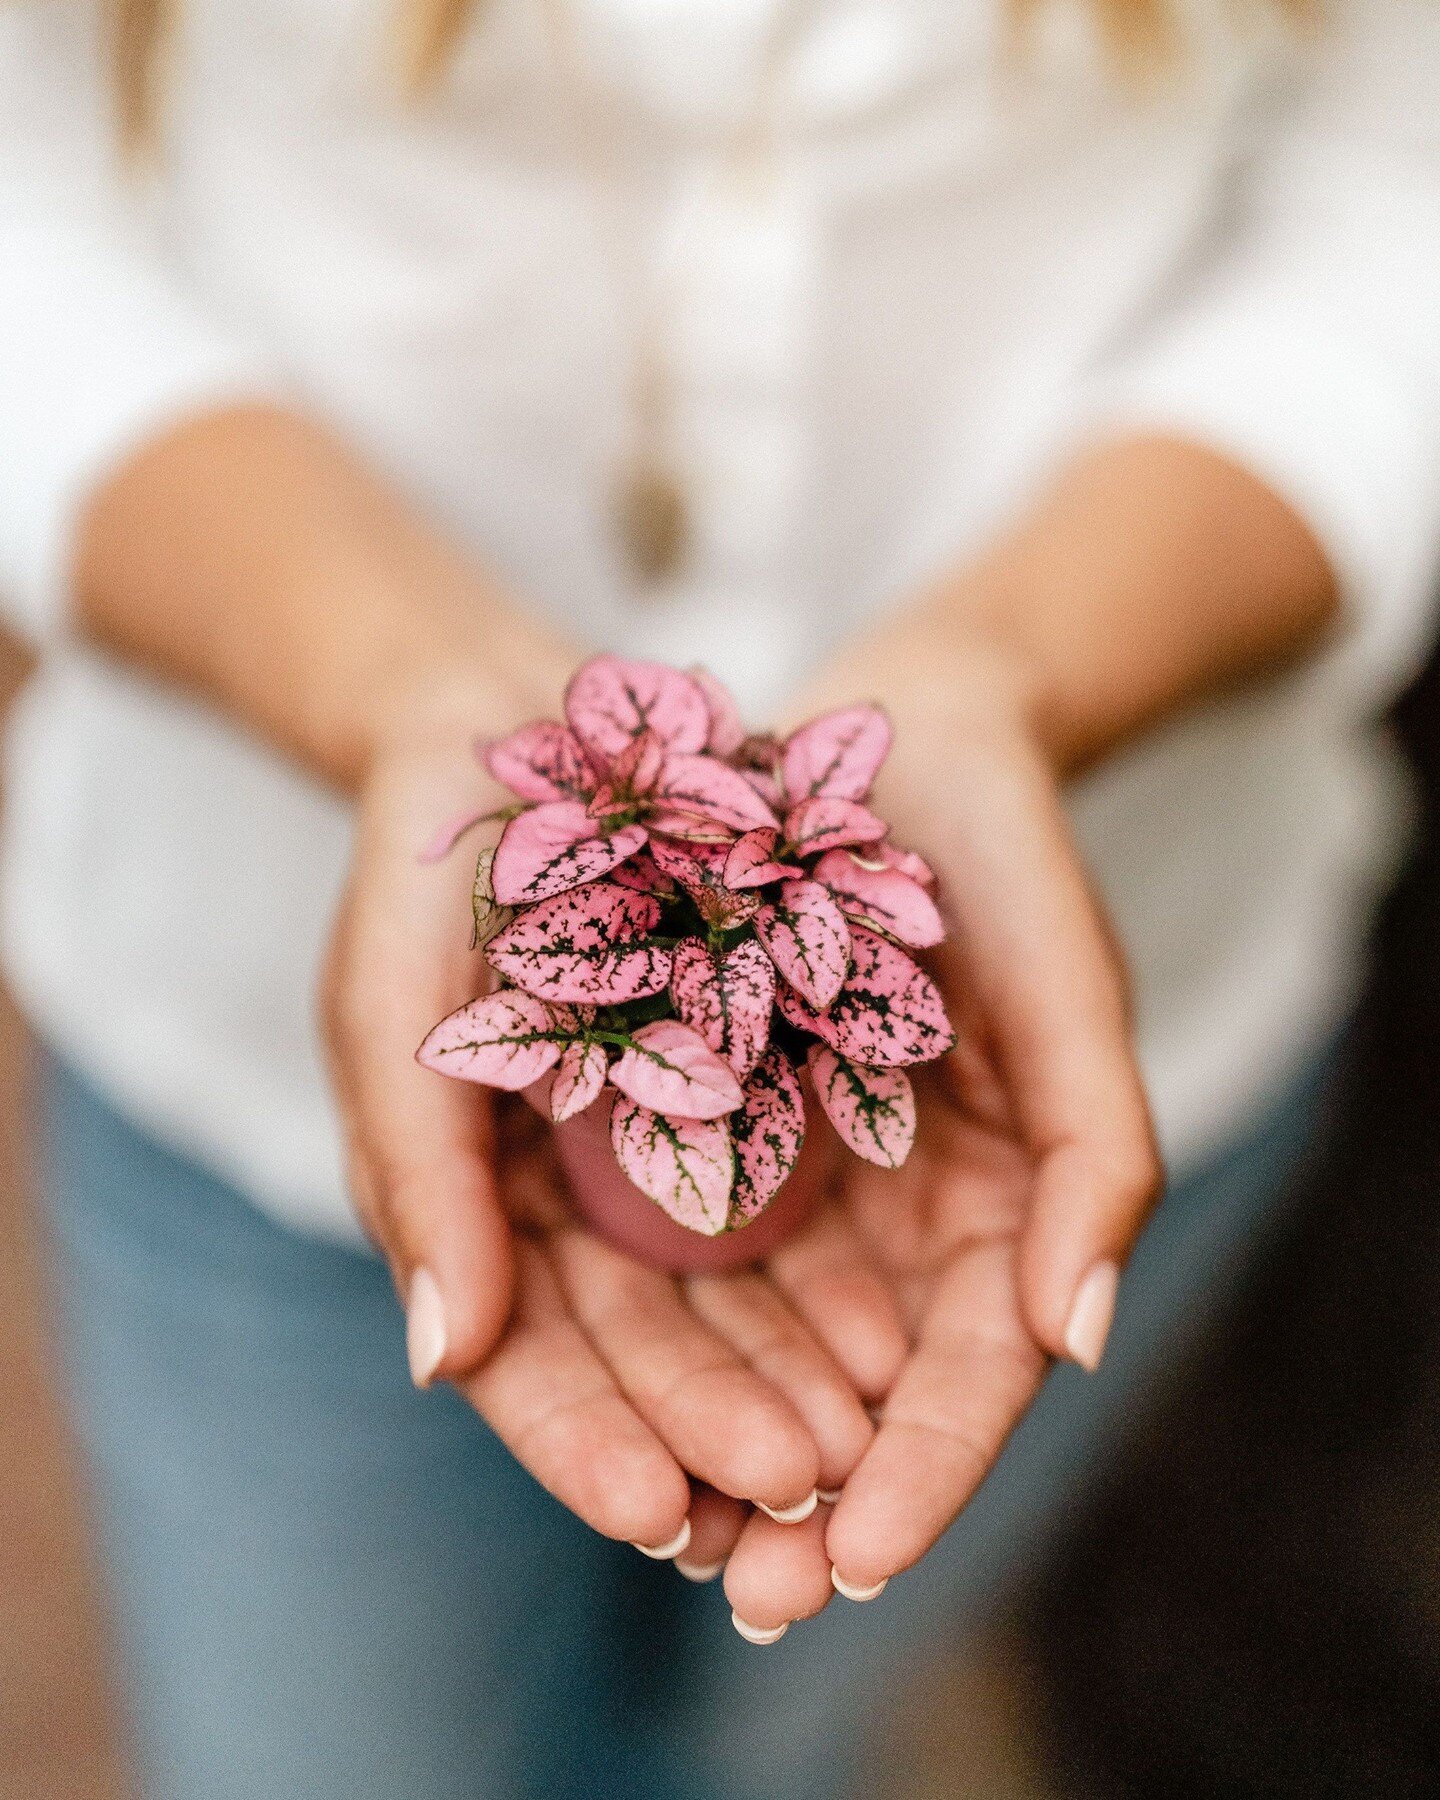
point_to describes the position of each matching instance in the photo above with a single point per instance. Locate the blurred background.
(1251, 1605)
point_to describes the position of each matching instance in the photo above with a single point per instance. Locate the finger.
(747, 1311)
(829, 1277)
(778, 1574)
(716, 1522)
(974, 1371)
(1032, 950)
(722, 1421)
(419, 1145)
(552, 1401)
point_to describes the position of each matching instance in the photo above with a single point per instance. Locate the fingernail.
(792, 1515)
(699, 1572)
(828, 1495)
(665, 1552)
(856, 1593)
(1090, 1314)
(424, 1328)
(756, 1634)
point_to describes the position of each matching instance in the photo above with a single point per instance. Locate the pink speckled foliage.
(704, 925)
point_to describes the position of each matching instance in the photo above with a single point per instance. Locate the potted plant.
(699, 939)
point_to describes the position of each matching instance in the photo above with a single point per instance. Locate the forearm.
(249, 557)
(1152, 573)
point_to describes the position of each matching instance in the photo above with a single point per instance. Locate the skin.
(248, 557)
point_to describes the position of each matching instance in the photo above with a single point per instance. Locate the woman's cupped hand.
(661, 1412)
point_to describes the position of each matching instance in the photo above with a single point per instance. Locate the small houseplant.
(699, 938)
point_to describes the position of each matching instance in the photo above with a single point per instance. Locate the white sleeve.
(1305, 344)
(100, 346)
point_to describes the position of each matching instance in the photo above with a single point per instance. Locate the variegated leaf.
(671, 1069)
(826, 824)
(750, 861)
(488, 914)
(637, 768)
(727, 733)
(908, 863)
(579, 1077)
(808, 940)
(794, 1010)
(505, 1040)
(872, 1109)
(688, 828)
(726, 998)
(889, 1013)
(701, 787)
(540, 762)
(837, 756)
(586, 946)
(884, 899)
(686, 1166)
(555, 847)
(610, 699)
(767, 1132)
(724, 910)
(694, 866)
(641, 871)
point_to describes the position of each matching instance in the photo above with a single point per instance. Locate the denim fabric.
(330, 1587)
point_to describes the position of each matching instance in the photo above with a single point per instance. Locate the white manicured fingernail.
(424, 1327)
(792, 1515)
(1090, 1315)
(665, 1552)
(756, 1634)
(856, 1593)
(699, 1571)
(828, 1495)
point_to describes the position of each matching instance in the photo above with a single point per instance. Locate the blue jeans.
(330, 1587)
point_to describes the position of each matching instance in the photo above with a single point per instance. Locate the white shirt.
(949, 275)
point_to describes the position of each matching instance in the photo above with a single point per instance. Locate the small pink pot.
(632, 1221)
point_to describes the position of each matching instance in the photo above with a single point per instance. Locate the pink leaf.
(884, 899)
(671, 1069)
(794, 1009)
(606, 801)
(542, 761)
(637, 768)
(872, 1109)
(767, 1132)
(555, 847)
(505, 1040)
(585, 946)
(579, 1077)
(837, 756)
(808, 940)
(723, 910)
(699, 869)
(701, 787)
(889, 1012)
(908, 862)
(692, 865)
(727, 733)
(689, 829)
(825, 824)
(686, 1166)
(610, 699)
(751, 860)
(727, 999)
(450, 833)
(768, 787)
(641, 872)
